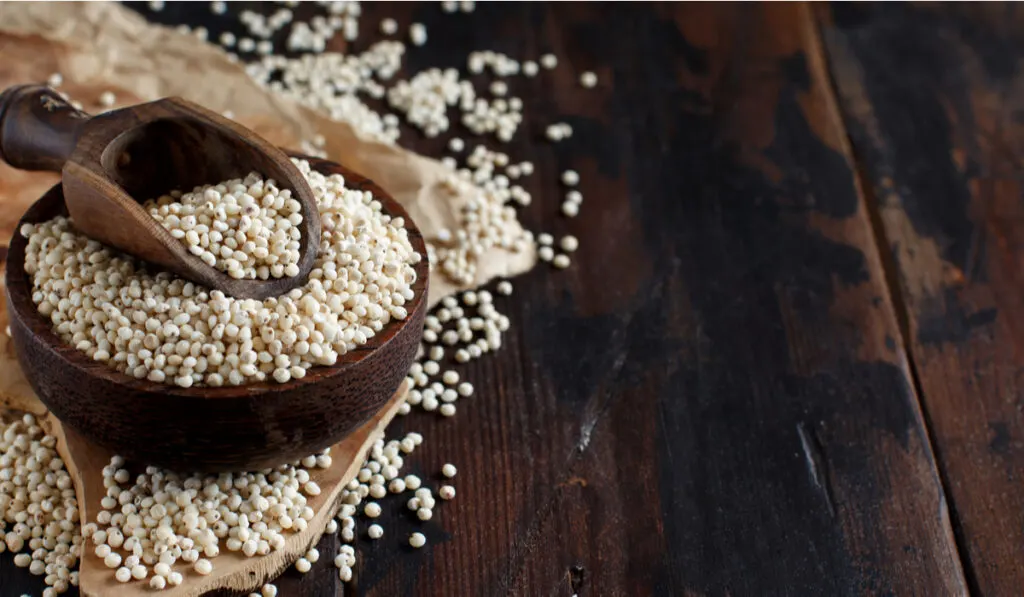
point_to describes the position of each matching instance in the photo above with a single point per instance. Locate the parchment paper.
(99, 46)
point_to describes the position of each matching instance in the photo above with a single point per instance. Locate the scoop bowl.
(248, 427)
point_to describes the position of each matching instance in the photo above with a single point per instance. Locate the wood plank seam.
(891, 284)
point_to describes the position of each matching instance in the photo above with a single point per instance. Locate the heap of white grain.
(159, 327)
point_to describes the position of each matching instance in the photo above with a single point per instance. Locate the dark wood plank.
(713, 399)
(322, 581)
(933, 98)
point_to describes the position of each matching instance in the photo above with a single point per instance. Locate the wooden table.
(786, 359)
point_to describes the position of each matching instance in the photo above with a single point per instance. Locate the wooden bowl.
(247, 427)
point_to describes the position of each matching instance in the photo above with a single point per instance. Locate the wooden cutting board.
(232, 571)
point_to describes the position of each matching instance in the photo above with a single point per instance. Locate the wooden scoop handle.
(38, 128)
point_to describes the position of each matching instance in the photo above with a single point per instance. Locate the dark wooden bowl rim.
(19, 288)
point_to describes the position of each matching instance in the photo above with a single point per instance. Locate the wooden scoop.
(109, 161)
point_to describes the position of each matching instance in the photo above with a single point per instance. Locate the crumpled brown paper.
(100, 46)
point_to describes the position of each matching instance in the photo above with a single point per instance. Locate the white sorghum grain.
(447, 492)
(569, 243)
(449, 470)
(418, 34)
(303, 565)
(37, 501)
(172, 331)
(570, 209)
(545, 253)
(193, 514)
(465, 389)
(549, 61)
(375, 531)
(243, 227)
(570, 178)
(561, 261)
(574, 196)
(530, 68)
(426, 498)
(417, 540)
(504, 288)
(388, 26)
(588, 79)
(107, 99)
(372, 510)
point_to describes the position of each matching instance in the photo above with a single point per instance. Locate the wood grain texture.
(933, 98)
(228, 428)
(112, 162)
(712, 400)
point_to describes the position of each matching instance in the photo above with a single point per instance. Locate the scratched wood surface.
(934, 100)
(716, 397)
